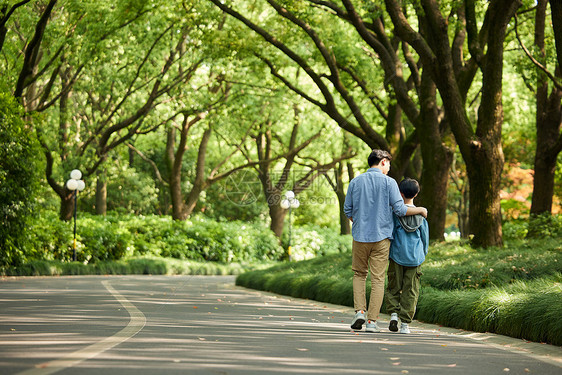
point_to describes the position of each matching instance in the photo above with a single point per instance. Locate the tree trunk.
(548, 125)
(484, 209)
(486, 158)
(462, 214)
(277, 215)
(434, 183)
(191, 202)
(66, 205)
(101, 195)
(437, 160)
(345, 227)
(174, 176)
(556, 15)
(177, 198)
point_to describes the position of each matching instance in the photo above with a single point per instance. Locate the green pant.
(403, 290)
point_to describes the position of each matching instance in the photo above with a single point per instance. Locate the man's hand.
(424, 212)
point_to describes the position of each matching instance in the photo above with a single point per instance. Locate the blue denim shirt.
(371, 198)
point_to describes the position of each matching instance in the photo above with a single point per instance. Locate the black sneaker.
(393, 326)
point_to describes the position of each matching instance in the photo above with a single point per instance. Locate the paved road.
(205, 325)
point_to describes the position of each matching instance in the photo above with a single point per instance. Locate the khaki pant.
(369, 257)
(403, 290)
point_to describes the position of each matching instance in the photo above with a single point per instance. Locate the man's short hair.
(409, 187)
(377, 155)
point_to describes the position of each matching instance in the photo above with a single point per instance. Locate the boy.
(407, 252)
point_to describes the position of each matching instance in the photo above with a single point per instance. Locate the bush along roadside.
(514, 291)
(130, 266)
(115, 238)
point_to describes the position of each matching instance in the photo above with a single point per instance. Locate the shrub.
(102, 240)
(311, 241)
(117, 237)
(545, 225)
(51, 238)
(18, 180)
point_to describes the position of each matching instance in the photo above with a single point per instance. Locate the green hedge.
(524, 310)
(130, 266)
(119, 237)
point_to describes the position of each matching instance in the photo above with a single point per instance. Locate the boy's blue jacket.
(411, 240)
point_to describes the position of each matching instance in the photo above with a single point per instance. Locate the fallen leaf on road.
(302, 350)
(394, 358)
(443, 344)
(384, 349)
(202, 338)
(194, 307)
(395, 363)
(506, 370)
(453, 365)
(527, 370)
(404, 371)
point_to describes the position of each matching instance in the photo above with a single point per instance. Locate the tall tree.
(481, 145)
(548, 96)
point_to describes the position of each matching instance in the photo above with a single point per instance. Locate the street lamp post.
(290, 202)
(75, 184)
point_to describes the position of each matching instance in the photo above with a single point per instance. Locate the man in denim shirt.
(371, 199)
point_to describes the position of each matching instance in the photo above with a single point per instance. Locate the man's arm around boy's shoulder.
(417, 211)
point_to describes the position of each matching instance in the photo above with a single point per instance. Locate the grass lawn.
(515, 290)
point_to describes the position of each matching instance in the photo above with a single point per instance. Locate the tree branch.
(153, 164)
(533, 60)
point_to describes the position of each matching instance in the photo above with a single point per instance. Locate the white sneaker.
(372, 327)
(358, 320)
(404, 328)
(393, 326)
